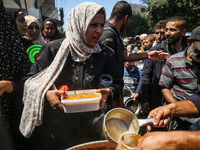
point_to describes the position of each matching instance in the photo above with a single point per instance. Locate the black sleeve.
(113, 69)
(147, 75)
(118, 83)
(146, 80)
(108, 38)
(18, 87)
(45, 56)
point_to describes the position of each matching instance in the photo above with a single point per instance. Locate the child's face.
(128, 65)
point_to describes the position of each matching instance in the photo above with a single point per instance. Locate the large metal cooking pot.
(96, 145)
(118, 121)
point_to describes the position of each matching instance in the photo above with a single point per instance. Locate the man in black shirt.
(117, 22)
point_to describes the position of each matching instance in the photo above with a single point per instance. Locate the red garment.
(64, 88)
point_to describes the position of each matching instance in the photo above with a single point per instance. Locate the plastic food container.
(81, 101)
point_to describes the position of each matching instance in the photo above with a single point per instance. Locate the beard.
(174, 40)
(122, 27)
(158, 40)
(194, 56)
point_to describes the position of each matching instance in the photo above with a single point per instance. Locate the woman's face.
(21, 25)
(49, 28)
(95, 30)
(33, 31)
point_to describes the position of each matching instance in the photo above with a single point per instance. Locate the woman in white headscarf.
(33, 30)
(76, 61)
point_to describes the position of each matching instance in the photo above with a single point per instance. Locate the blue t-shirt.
(131, 79)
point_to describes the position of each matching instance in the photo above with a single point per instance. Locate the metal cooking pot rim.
(97, 144)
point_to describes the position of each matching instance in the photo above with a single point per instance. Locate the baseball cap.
(195, 36)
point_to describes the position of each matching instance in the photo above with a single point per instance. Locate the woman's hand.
(5, 86)
(53, 97)
(104, 93)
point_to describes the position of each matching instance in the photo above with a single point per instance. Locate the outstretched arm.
(153, 55)
(157, 55)
(183, 108)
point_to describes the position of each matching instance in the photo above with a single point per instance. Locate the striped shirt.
(180, 76)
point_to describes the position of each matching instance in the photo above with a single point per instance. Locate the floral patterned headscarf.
(36, 86)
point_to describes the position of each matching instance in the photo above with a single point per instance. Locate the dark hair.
(173, 19)
(120, 10)
(160, 25)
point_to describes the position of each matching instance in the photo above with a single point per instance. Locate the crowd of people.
(160, 69)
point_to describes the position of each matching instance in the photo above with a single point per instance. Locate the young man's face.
(173, 32)
(159, 35)
(147, 44)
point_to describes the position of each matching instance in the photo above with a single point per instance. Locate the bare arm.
(183, 108)
(172, 140)
(135, 96)
(153, 55)
(135, 56)
(168, 95)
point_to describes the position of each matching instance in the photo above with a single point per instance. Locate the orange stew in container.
(81, 96)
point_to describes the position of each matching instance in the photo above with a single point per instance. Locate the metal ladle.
(119, 120)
